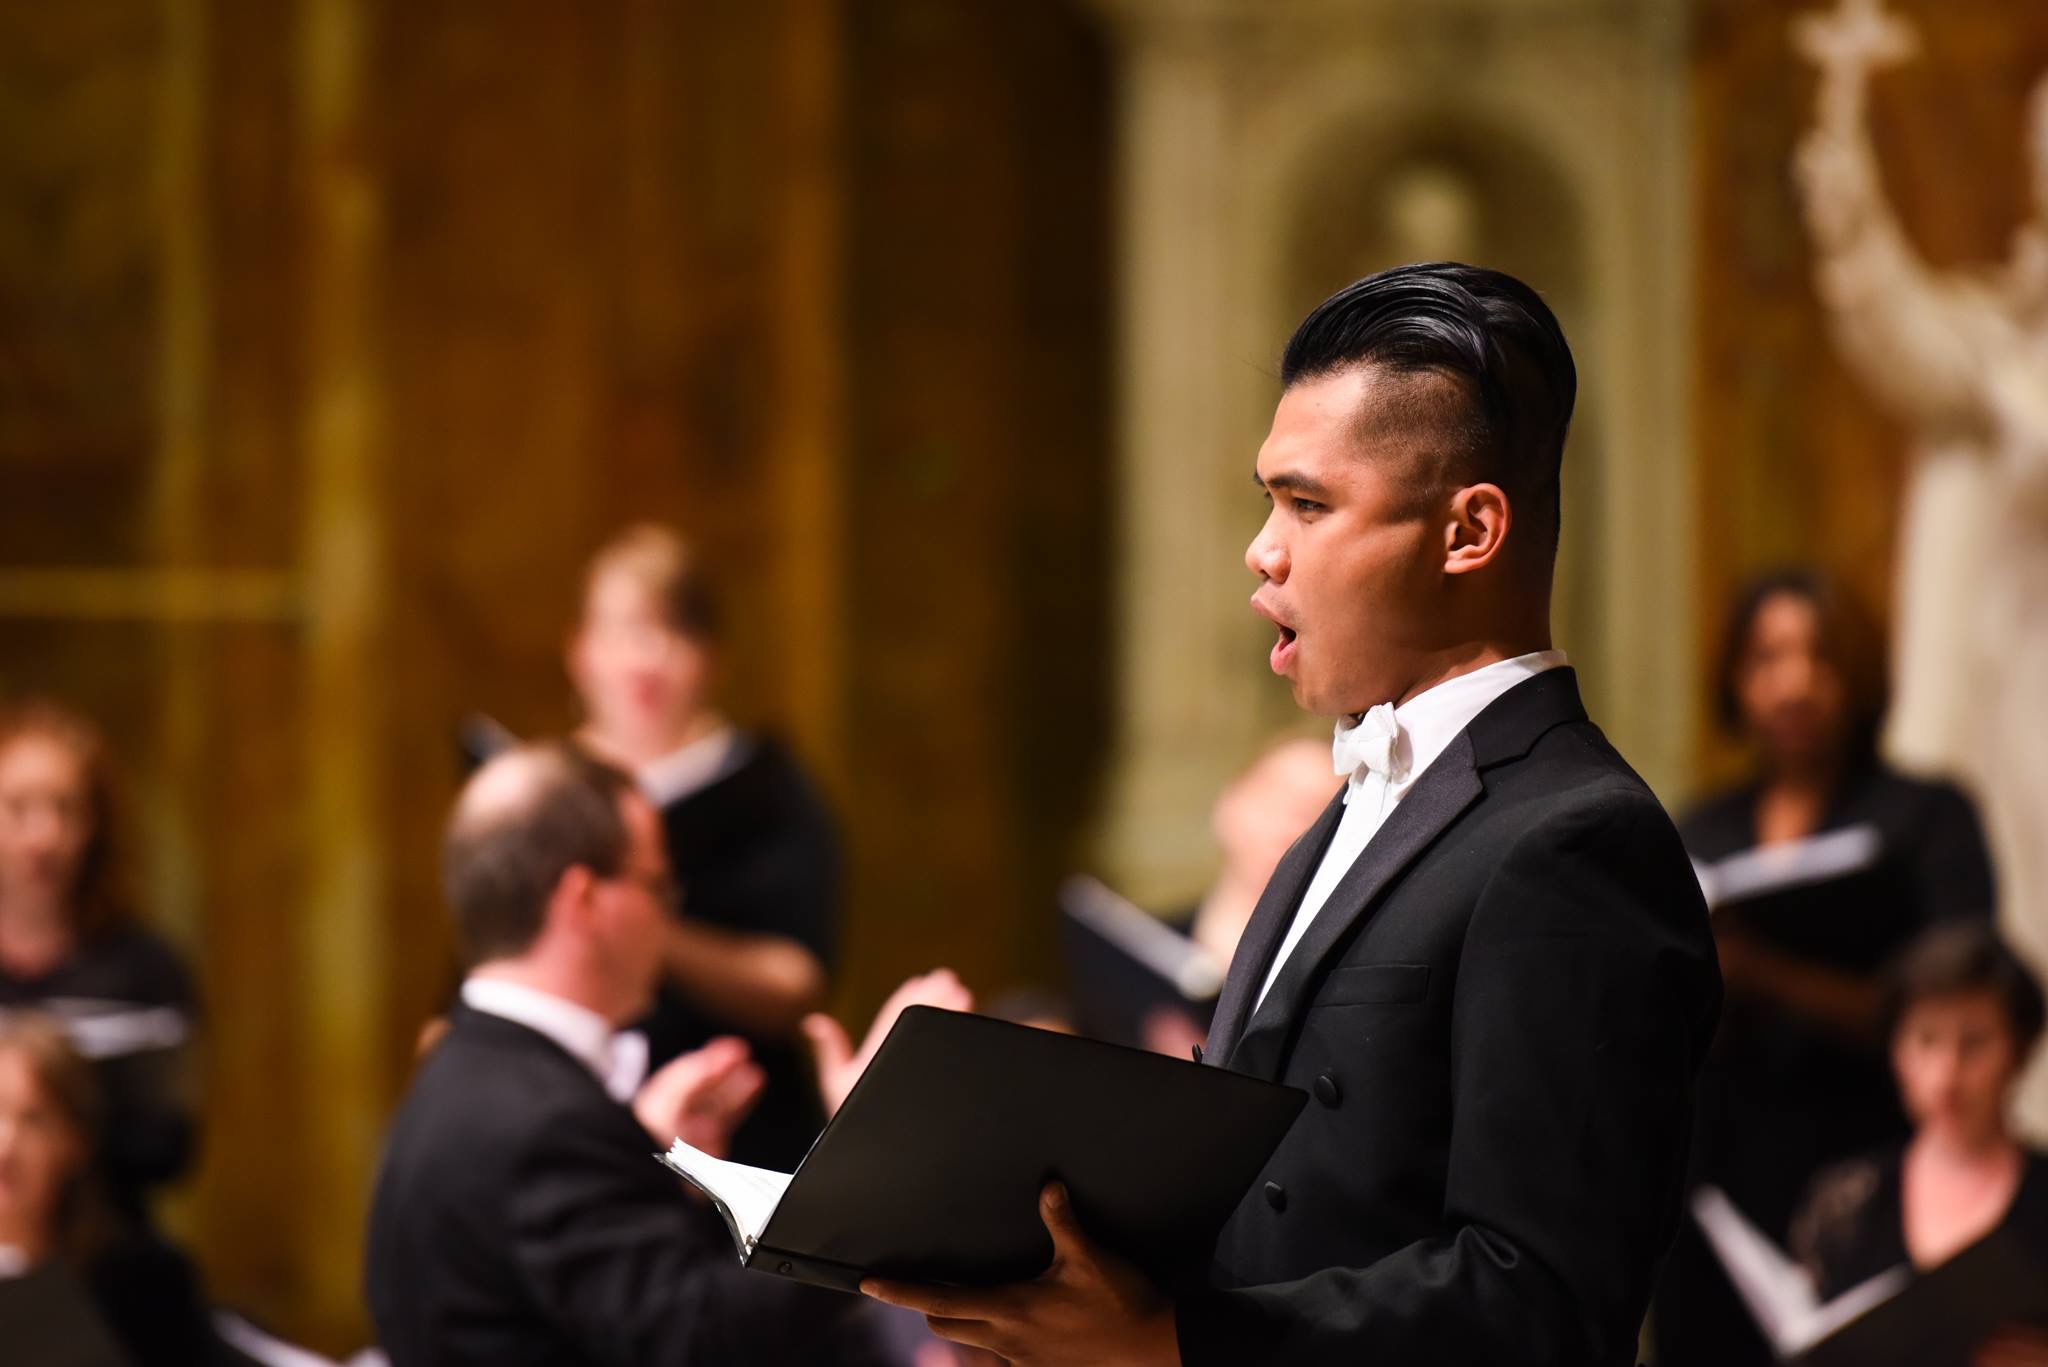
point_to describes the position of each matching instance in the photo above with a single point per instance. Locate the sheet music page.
(1778, 1291)
(749, 1195)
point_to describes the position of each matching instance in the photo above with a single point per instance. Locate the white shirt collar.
(1432, 719)
(687, 768)
(583, 1034)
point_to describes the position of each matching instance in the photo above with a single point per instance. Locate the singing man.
(1488, 961)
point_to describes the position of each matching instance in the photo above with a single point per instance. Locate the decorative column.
(1246, 122)
(342, 942)
(1189, 675)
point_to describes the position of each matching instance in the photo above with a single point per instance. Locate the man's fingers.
(722, 1052)
(703, 1067)
(941, 1302)
(735, 1091)
(940, 988)
(970, 1333)
(1056, 1209)
(831, 1050)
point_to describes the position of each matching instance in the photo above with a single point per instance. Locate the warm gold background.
(334, 333)
(1794, 462)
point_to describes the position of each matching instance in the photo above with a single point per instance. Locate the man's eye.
(1307, 505)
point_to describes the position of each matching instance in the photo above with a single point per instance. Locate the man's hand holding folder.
(982, 1172)
(1089, 1305)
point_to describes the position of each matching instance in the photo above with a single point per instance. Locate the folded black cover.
(1943, 1314)
(932, 1168)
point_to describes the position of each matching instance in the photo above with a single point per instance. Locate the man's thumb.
(1056, 1208)
(830, 1048)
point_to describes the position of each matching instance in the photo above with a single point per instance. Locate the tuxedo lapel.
(1503, 731)
(1437, 799)
(1248, 966)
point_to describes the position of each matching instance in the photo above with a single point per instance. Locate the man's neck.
(543, 977)
(1468, 657)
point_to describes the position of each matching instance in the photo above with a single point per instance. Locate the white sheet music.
(1779, 1293)
(746, 1196)
(1793, 863)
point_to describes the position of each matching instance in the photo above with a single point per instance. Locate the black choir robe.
(1780, 1097)
(755, 850)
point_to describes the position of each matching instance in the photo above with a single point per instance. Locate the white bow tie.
(625, 1065)
(1372, 743)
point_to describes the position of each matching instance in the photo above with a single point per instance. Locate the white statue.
(1963, 357)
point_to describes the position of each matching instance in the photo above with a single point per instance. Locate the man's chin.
(1315, 702)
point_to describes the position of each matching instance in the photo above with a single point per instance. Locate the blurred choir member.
(1964, 1015)
(1262, 812)
(1256, 817)
(70, 944)
(1797, 1077)
(750, 842)
(519, 1216)
(60, 1237)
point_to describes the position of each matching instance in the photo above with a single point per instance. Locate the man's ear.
(1477, 528)
(571, 903)
(576, 655)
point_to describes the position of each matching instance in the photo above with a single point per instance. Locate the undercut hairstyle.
(1963, 959)
(1506, 407)
(1849, 640)
(525, 819)
(662, 563)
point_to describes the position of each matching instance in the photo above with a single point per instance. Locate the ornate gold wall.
(334, 334)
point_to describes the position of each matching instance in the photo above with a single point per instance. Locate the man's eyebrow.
(1293, 482)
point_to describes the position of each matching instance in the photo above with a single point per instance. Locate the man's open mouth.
(1282, 655)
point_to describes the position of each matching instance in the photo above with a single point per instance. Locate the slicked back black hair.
(1485, 330)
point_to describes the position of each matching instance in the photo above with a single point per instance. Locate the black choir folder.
(931, 1170)
(1899, 1318)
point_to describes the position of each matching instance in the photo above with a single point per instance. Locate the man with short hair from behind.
(519, 1215)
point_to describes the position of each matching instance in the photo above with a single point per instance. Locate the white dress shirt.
(618, 1058)
(1425, 725)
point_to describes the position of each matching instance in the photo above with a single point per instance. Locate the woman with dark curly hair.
(1853, 859)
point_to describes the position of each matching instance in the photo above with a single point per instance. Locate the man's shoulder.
(485, 1094)
(1574, 813)
(1572, 777)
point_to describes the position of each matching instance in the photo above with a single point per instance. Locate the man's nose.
(1266, 557)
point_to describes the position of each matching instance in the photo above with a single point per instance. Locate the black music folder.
(931, 1170)
(1899, 1318)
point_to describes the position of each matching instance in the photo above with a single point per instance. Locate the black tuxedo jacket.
(1499, 1014)
(520, 1218)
